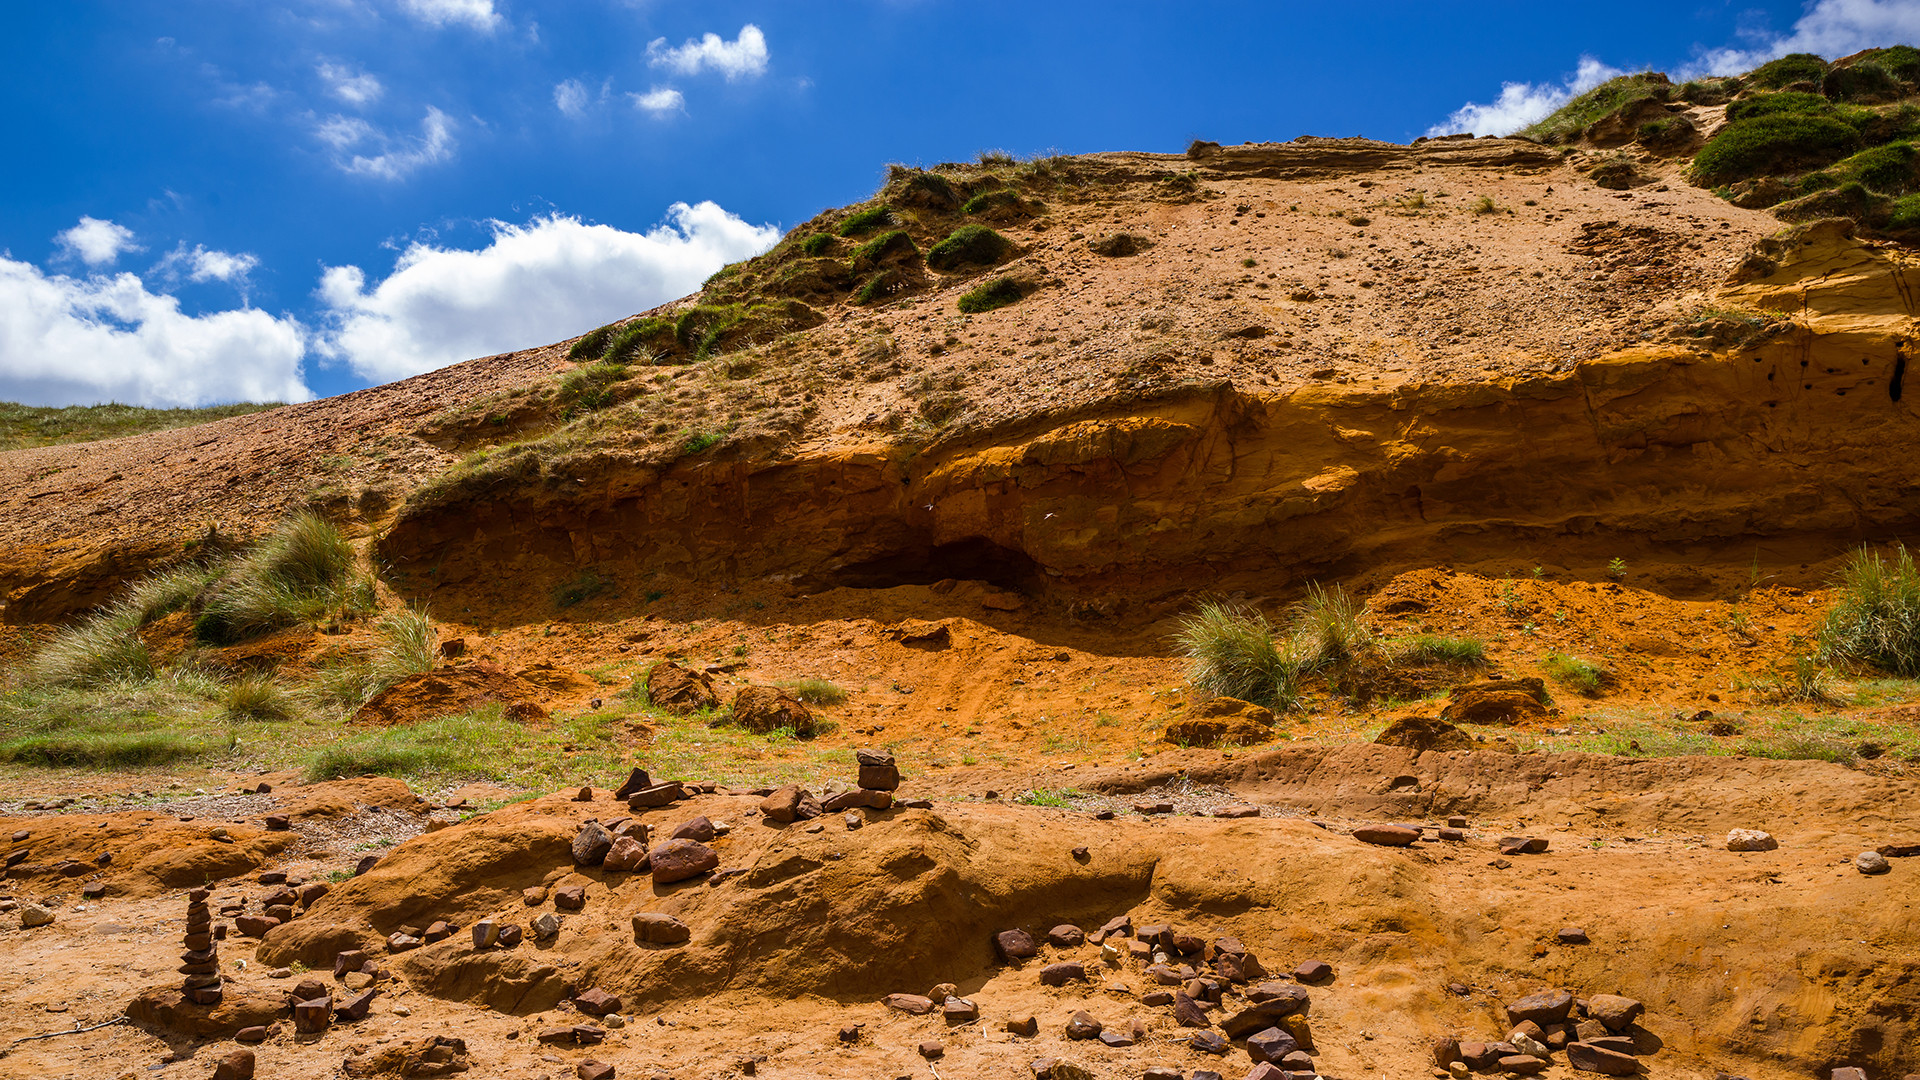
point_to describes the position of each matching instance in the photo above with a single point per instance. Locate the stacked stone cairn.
(201, 962)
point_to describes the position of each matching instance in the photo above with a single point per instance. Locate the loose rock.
(655, 928)
(1750, 840)
(678, 860)
(1871, 862)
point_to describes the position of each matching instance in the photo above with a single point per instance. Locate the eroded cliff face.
(1792, 441)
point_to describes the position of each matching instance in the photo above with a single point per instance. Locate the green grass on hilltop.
(22, 426)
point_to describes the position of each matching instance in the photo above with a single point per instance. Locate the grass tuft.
(816, 691)
(1581, 676)
(969, 245)
(1876, 621)
(300, 573)
(1233, 651)
(1435, 650)
(997, 293)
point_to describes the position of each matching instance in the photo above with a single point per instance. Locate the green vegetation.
(1789, 69)
(1233, 651)
(816, 691)
(579, 588)
(301, 573)
(818, 244)
(1773, 144)
(969, 245)
(1581, 676)
(592, 344)
(1609, 97)
(866, 220)
(33, 425)
(897, 242)
(988, 202)
(1058, 798)
(997, 293)
(1483, 205)
(589, 387)
(1876, 621)
(1435, 650)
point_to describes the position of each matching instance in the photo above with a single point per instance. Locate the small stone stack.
(201, 962)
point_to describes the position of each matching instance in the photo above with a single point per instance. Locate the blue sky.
(211, 200)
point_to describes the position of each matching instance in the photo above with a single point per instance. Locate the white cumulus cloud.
(660, 100)
(570, 97)
(201, 264)
(532, 284)
(478, 14)
(91, 340)
(745, 55)
(350, 86)
(1830, 28)
(364, 150)
(1521, 104)
(96, 242)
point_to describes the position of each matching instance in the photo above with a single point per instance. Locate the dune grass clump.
(1876, 621)
(997, 293)
(1233, 651)
(1774, 143)
(1609, 97)
(867, 220)
(969, 245)
(816, 691)
(1581, 676)
(592, 344)
(101, 650)
(299, 574)
(1788, 70)
(257, 697)
(1435, 650)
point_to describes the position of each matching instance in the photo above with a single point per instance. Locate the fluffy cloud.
(350, 86)
(67, 340)
(96, 242)
(202, 265)
(478, 14)
(570, 97)
(1521, 104)
(389, 156)
(532, 284)
(745, 55)
(1830, 28)
(660, 100)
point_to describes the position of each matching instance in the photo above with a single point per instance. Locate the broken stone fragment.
(1270, 1044)
(912, 1004)
(1188, 1013)
(546, 926)
(355, 1006)
(596, 1002)
(859, 797)
(1313, 971)
(1026, 1026)
(636, 780)
(1571, 935)
(1264, 1014)
(700, 829)
(1082, 1026)
(785, 804)
(570, 897)
(313, 1016)
(1616, 1012)
(1586, 1057)
(656, 796)
(1014, 945)
(1546, 1007)
(593, 1070)
(656, 928)
(1062, 974)
(509, 936)
(238, 1065)
(485, 933)
(678, 860)
(1386, 835)
(591, 844)
(33, 916)
(1066, 936)
(255, 925)
(959, 1010)
(1209, 1042)
(1750, 840)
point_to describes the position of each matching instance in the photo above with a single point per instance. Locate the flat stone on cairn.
(201, 962)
